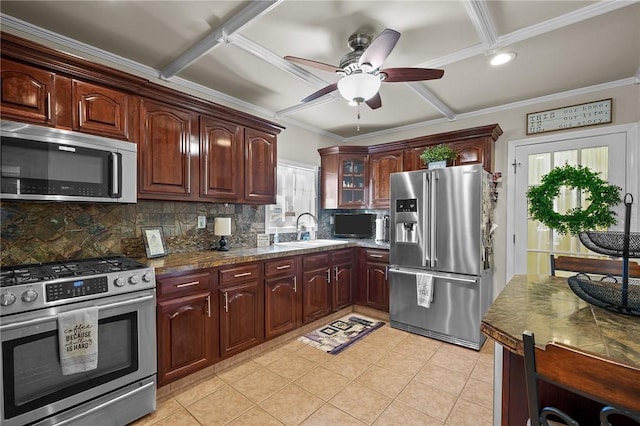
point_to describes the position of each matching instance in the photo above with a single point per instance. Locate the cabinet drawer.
(182, 284)
(239, 274)
(279, 266)
(377, 256)
(342, 256)
(311, 261)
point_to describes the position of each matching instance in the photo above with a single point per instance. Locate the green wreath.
(601, 196)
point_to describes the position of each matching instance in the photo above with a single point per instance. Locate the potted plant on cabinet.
(438, 156)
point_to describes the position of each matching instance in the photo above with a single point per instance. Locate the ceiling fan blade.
(396, 75)
(314, 64)
(380, 48)
(375, 102)
(330, 88)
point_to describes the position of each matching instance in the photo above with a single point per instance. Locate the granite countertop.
(187, 261)
(549, 308)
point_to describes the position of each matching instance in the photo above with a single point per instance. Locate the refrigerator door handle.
(433, 259)
(426, 229)
(446, 277)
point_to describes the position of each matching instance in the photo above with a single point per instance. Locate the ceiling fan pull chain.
(358, 123)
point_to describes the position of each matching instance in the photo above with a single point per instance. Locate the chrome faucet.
(299, 233)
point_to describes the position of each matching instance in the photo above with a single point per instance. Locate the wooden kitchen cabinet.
(344, 177)
(102, 111)
(164, 155)
(27, 93)
(187, 325)
(221, 160)
(343, 278)
(381, 166)
(316, 286)
(282, 297)
(241, 308)
(374, 292)
(260, 154)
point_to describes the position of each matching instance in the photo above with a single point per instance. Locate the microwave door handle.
(116, 174)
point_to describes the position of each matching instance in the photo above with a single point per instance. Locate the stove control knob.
(7, 299)
(119, 282)
(147, 277)
(133, 279)
(29, 296)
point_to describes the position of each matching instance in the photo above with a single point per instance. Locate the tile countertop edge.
(547, 307)
(189, 261)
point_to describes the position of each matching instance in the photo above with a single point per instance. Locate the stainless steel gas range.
(122, 387)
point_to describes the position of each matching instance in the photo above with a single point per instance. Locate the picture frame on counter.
(154, 244)
(569, 117)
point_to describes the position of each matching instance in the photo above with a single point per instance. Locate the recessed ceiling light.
(502, 58)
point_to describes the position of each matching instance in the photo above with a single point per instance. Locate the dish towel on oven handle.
(424, 286)
(78, 340)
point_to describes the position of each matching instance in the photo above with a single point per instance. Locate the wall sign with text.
(569, 117)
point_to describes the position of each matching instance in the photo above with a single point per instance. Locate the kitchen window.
(297, 194)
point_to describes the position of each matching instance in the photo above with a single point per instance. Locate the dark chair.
(592, 266)
(579, 373)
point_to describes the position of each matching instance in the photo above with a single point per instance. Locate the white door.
(534, 242)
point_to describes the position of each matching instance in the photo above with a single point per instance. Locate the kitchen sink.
(312, 243)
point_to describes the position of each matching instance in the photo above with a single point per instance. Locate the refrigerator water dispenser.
(406, 232)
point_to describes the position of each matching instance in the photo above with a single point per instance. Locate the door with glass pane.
(534, 242)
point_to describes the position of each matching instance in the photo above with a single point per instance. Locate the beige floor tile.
(441, 378)
(347, 366)
(292, 366)
(199, 391)
(328, 415)
(260, 384)
(461, 351)
(220, 407)
(401, 363)
(164, 409)
(294, 345)
(399, 414)
(322, 382)
(466, 413)
(366, 351)
(422, 347)
(483, 371)
(428, 400)
(478, 392)
(256, 417)
(271, 356)
(454, 361)
(386, 337)
(313, 354)
(361, 402)
(291, 405)
(385, 381)
(178, 418)
(239, 371)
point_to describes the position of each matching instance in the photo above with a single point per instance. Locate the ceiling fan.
(360, 69)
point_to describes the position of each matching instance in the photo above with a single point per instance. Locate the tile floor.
(388, 378)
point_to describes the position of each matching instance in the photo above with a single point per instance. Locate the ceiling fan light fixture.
(359, 87)
(502, 58)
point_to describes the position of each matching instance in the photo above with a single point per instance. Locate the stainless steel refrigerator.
(440, 277)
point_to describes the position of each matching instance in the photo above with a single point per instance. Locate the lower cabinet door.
(187, 340)
(316, 294)
(342, 286)
(377, 287)
(241, 313)
(282, 305)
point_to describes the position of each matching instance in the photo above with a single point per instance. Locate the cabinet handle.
(295, 284)
(226, 302)
(181, 311)
(187, 284)
(283, 267)
(209, 306)
(335, 274)
(377, 256)
(244, 274)
(386, 272)
(49, 106)
(80, 113)
(328, 275)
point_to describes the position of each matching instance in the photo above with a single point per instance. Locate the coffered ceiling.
(233, 51)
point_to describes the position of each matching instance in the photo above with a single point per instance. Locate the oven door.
(33, 387)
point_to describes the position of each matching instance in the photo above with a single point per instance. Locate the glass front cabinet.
(352, 182)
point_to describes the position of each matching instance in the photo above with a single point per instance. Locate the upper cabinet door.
(382, 165)
(101, 111)
(221, 160)
(164, 151)
(26, 93)
(352, 181)
(260, 167)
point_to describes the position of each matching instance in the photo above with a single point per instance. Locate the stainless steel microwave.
(46, 164)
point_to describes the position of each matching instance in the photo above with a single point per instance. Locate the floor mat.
(336, 336)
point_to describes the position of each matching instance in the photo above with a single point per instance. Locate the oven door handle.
(105, 404)
(55, 317)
